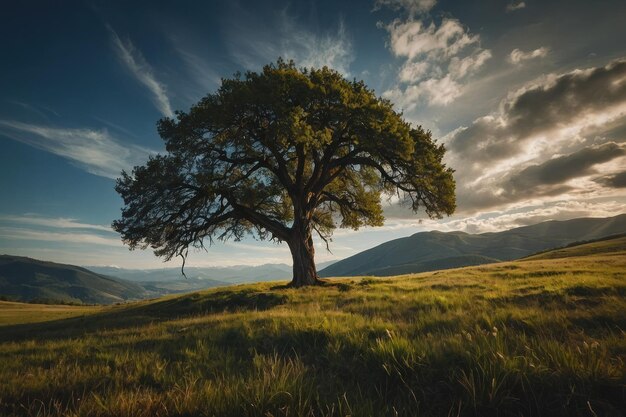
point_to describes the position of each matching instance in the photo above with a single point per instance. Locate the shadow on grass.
(138, 315)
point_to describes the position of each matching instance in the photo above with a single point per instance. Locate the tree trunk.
(303, 254)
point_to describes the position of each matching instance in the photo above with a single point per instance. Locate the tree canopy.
(282, 154)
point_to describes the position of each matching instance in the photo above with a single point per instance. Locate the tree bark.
(303, 254)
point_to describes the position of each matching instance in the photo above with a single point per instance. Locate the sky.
(529, 98)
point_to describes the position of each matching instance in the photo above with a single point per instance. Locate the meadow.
(541, 336)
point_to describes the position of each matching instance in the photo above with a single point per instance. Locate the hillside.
(615, 244)
(428, 251)
(27, 279)
(535, 337)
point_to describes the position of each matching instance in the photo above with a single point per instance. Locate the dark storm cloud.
(570, 95)
(613, 181)
(547, 179)
(564, 168)
(542, 108)
(557, 115)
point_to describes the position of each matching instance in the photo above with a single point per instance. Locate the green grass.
(527, 338)
(616, 244)
(19, 313)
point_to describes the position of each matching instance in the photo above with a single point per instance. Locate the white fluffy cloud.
(439, 91)
(414, 39)
(460, 67)
(438, 59)
(517, 56)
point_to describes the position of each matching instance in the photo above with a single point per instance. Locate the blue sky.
(528, 96)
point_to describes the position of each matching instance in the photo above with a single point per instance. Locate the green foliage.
(280, 154)
(531, 338)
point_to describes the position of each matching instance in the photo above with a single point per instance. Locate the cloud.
(203, 74)
(253, 45)
(413, 38)
(412, 7)
(440, 91)
(524, 214)
(132, 58)
(497, 221)
(41, 111)
(412, 71)
(513, 6)
(615, 181)
(438, 59)
(95, 151)
(312, 51)
(517, 56)
(560, 103)
(11, 233)
(505, 156)
(559, 170)
(460, 67)
(58, 223)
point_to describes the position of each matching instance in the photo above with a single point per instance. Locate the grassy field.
(19, 313)
(529, 338)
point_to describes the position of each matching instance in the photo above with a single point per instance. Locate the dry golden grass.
(531, 338)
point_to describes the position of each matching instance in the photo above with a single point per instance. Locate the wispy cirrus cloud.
(134, 61)
(41, 111)
(252, 45)
(95, 151)
(205, 76)
(309, 50)
(12, 233)
(413, 7)
(515, 5)
(53, 222)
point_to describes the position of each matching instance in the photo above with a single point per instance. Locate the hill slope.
(28, 279)
(429, 251)
(610, 244)
(534, 338)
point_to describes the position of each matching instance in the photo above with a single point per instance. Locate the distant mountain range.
(238, 274)
(224, 275)
(25, 279)
(429, 251)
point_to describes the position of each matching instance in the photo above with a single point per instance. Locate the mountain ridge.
(28, 279)
(427, 250)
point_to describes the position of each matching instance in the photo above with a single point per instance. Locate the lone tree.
(280, 154)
